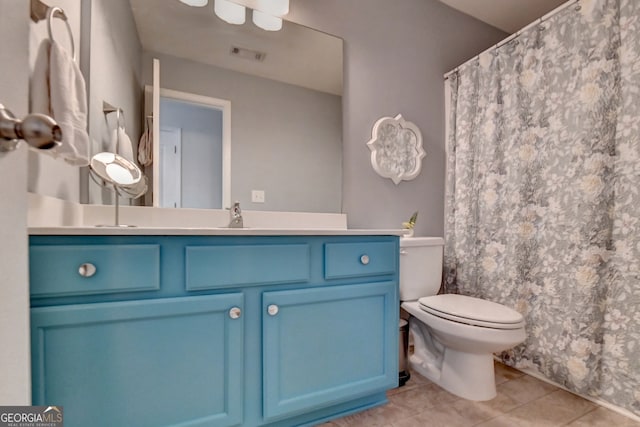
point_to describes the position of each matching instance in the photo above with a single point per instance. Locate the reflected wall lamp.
(267, 14)
(266, 22)
(195, 3)
(230, 12)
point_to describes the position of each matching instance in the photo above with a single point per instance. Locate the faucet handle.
(236, 216)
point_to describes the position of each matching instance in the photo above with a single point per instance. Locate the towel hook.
(59, 13)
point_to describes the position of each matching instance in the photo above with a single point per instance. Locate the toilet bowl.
(454, 336)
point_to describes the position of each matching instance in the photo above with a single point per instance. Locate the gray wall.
(285, 140)
(201, 183)
(395, 55)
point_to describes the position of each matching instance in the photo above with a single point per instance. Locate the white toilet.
(454, 336)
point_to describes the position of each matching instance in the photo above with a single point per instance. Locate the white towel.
(59, 90)
(145, 148)
(121, 141)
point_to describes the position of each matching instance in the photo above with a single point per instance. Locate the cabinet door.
(165, 362)
(328, 345)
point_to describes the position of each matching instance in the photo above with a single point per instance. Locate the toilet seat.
(472, 311)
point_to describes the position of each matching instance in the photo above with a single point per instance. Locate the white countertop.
(49, 216)
(182, 231)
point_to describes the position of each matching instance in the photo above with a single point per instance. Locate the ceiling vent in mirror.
(253, 55)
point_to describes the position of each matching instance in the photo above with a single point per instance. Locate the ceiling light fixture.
(229, 12)
(267, 22)
(195, 3)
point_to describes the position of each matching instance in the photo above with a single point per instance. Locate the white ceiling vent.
(253, 55)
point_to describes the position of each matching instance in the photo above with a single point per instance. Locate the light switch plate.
(257, 196)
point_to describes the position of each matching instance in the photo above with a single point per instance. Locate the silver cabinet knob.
(364, 259)
(272, 310)
(235, 313)
(87, 269)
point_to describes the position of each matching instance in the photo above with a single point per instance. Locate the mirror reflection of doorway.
(170, 167)
(191, 155)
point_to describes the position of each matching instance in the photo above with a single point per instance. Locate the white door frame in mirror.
(170, 180)
(396, 149)
(220, 104)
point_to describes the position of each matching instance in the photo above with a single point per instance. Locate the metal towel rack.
(40, 11)
(108, 108)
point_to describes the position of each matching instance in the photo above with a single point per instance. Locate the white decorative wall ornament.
(396, 149)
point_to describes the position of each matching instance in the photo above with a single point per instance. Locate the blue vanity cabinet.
(164, 362)
(216, 331)
(327, 345)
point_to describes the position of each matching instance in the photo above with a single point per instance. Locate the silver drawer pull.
(272, 310)
(235, 313)
(87, 269)
(364, 259)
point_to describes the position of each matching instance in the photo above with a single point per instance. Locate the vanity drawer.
(210, 267)
(343, 260)
(55, 270)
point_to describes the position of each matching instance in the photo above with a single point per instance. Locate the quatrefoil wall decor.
(396, 149)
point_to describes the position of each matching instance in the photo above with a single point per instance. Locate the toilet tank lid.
(421, 241)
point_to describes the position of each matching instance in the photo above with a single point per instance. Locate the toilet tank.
(420, 267)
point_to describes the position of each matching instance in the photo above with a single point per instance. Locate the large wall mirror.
(283, 89)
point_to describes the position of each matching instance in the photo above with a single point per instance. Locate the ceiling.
(296, 55)
(507, 15)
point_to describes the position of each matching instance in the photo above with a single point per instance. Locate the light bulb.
(229, 12)
(195, 3)
(273, 7)
(267, 22)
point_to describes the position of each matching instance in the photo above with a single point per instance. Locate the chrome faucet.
(236, 216)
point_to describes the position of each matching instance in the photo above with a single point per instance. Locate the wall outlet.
(257, 196)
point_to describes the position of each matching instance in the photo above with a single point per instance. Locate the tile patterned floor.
(522, 401)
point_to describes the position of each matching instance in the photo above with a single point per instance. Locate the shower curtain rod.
(516, 34)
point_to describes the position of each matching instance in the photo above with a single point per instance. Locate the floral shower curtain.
(543, 194)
